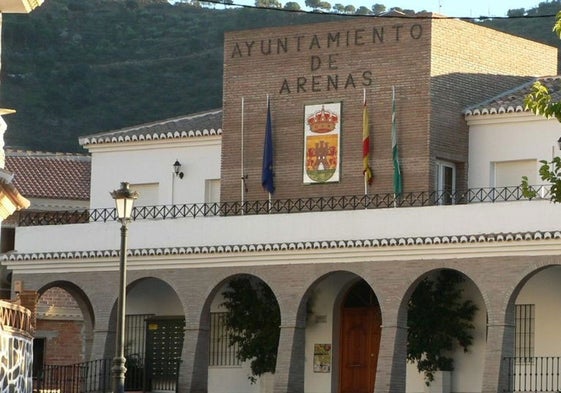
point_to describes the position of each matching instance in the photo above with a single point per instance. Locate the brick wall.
(438, 67)
(61, 323)
(64, 341)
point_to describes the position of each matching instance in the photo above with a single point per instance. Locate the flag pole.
(243, 177)
(270, 195)
(397, 180)
(267, 175)
(363, 123)
(393, 137)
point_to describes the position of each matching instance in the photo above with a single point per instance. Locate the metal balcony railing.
(277, 206)
(533, 374)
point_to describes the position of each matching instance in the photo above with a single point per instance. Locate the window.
(221, 353)
(7, 239)
(148, 194)
(445, 182)
(524, 331)
(212, 196)
(212, 190)
(509, 173)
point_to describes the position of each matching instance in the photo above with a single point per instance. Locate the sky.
(459, 8)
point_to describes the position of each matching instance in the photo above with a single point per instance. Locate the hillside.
(75, 67)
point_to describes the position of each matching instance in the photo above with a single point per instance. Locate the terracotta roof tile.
(50, 175)
(513, 100)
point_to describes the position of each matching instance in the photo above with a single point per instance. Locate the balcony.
(284, 206)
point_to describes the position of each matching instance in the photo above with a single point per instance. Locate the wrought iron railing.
(534, 374)
(277, 206)
(93, 376)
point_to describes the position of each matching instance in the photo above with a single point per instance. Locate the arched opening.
(447, 333)
(535, 359)
(361, 321)
(154, 333)
(244, 324)
(64, 332)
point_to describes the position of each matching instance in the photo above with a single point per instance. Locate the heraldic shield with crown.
(322, 133)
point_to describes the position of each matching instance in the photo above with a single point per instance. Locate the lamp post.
(124, 199)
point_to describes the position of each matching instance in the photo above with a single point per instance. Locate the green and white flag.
(397, 182)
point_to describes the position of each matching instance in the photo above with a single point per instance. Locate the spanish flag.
(367, 171)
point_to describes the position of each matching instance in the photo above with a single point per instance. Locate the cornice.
(303, 252)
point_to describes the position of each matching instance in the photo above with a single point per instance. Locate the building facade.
(323, 238)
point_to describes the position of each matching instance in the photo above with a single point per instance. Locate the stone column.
(193, 370)
(500, 343)
(289, 374)
(390, 374)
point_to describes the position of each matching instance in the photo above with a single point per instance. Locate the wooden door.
(360, 342)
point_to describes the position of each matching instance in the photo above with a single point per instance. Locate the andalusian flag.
(367, 171)
(397, 181)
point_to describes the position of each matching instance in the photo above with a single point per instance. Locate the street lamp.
(124, 199)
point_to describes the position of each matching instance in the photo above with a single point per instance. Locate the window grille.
(135, 334)
(221, 352)
(524, 330)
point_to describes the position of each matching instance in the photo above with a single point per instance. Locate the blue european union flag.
(267, 175)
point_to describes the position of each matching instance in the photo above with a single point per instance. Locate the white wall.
(275, 228)
(508, 137)
(153, 296)
(152, 162)
(544, 290)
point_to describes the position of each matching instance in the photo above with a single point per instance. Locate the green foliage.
(439, 321)
(540, 102)
(362, 10)
(253, 315)
(268, 3)
(378, 8)
(550, 171)
(292, 6)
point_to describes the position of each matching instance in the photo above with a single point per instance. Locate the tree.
(377, 9)
(292, 6)
(541, 103)
(362, 10)
(516, 13)
(324, 5)
(438, 321)
(253, 317)
(339, 8)
(314, 4)
(350, 9)
(268, 3)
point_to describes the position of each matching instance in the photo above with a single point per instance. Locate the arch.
(220, 356)
(532, 349)
(65, 296)
(468, 365)
(320, 310)
(154, 321)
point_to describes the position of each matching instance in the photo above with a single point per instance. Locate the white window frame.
(440, 175)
